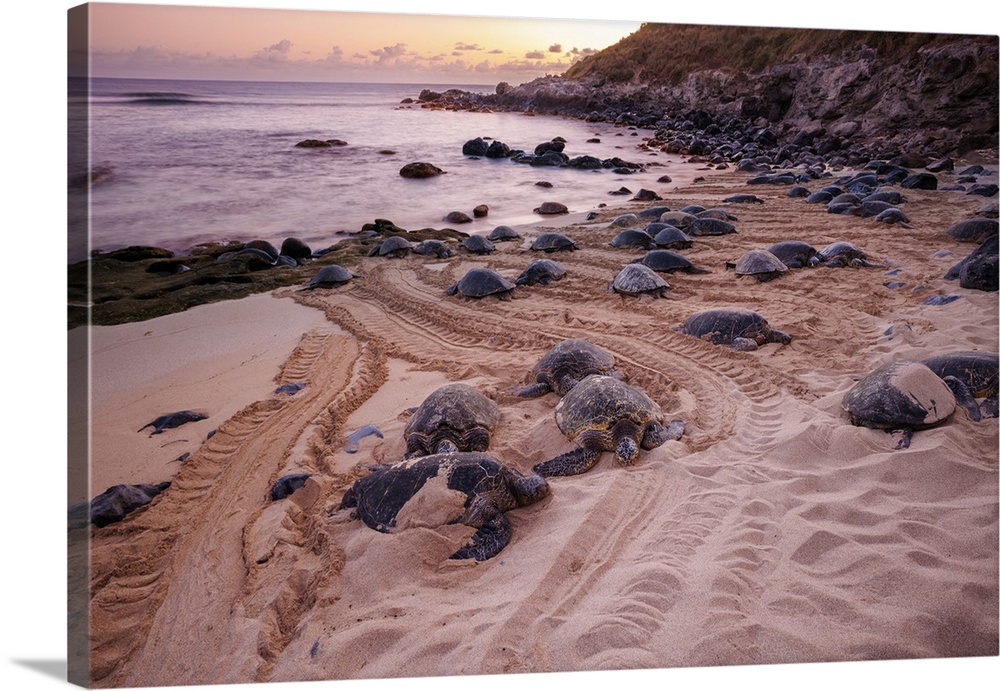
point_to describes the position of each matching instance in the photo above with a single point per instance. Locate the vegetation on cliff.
(667, 53)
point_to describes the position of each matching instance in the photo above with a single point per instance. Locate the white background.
(32, 237)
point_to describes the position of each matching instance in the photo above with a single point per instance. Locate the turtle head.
(446, 446)
(779, 337)
(528, 489)
(626, 450)
(657, 434)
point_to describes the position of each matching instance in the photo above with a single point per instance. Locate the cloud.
(467, 46)
(555, 48)
(535, 55)
(389, 52)
(495, 51)
(276, 53)
(336, 54)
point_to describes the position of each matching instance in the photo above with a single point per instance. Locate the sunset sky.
(282, 44)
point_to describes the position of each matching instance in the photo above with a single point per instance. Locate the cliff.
(926, 94)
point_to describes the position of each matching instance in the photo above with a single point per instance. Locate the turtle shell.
(633, 238)
(551, 209)
(739, 328)
(433, 248)
(455, 415)
(711, 226)
(480, 282)
(761, 264)
(553, 242)
(903, 394)
(669, 237)
(394, 246)
(843, 253)
(330, 275)
(679, 219)
(475, 489)
(667, 262)
(597, 404)
(542, 271)
(975, 369)
(636, 279)
(794, 253)
(477, 244)
(501, 233)
(566, 364)
(973, 229)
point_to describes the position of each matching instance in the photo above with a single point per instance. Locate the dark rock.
(136, 253)
(920, 181)
(457, 217)
(984, 190)
(475, 147)
(295, 248)
(420, 169)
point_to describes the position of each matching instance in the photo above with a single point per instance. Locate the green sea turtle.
(171, 420)
(502, 233)
(974, 229)
(455, 417)
(474, 489)
(330, 276)
(838, 254)
(393, 246)
(636, 279)
(553, 242)
(668, 237)
(551, 209)
(114, 503)
(666, 261)
(480, 282)
(603, 413)
(740, 329)
(761, 264)
(434, 248)
(975, 376)
(564, 365)
(900, 396)
(633, 238)
(542, 271)
(286, 485)
(477, 244)
(795, 254)
(710, 226)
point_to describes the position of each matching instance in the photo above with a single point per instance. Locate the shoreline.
(755, 538)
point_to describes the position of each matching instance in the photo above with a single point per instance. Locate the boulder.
(420, 169)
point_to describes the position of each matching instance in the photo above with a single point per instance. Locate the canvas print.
(409, 346)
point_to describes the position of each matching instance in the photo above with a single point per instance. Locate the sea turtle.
(838, 254)
(330, 276)
(393, 246)
(114, 503)
(633, 238)
(743, 199)
(740, 329)
(480, 282)
(975, 375)
(668, 262)
(454, 417)
(892, 196)
(603, 413)
(710, 226)
(564, 366)
(551, 209)
(892, 215)
(635, 279)
(501, 233)
(670, 238)
(718, 214)
(477, 244)
(171, 420)
(761, 264)
(287, 484)
(542, 271)
(553, 242)
(678, 219)
(979, 269)
(973, 229)
(795, 254)
(434, 248)
(474, 489)
(900, 396)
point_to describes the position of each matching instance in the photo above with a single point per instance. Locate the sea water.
(187, 162)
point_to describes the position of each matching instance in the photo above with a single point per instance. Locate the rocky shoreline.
(847, 109)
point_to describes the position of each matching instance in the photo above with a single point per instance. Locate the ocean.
(188, 162)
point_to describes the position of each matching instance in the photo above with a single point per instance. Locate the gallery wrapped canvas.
(421, 346)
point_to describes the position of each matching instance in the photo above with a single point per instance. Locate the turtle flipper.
(989, 407)
(904, 440)
(571, 463)
(492, 536)
(531, 390)
(964, 397)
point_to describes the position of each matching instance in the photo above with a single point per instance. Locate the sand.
(773, 531)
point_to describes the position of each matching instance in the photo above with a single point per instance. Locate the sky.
(175, 41)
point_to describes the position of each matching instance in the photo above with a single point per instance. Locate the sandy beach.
(772, 531)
